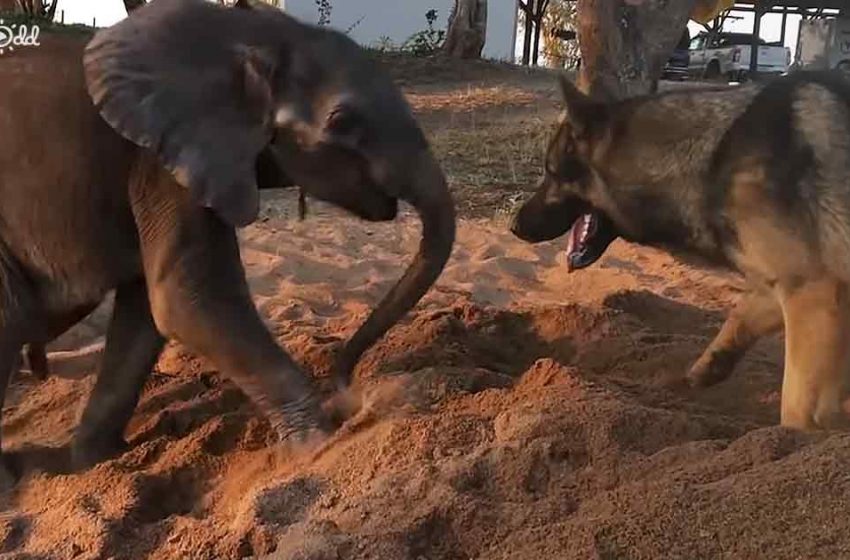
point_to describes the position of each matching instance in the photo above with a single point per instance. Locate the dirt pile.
(519, 413)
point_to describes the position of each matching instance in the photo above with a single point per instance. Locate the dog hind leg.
(817, 353)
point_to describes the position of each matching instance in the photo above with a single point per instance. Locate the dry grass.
(491, 162)
(488, 123)
(471, 98)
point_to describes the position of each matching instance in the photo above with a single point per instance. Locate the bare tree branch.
(543, 7)
(43, 9)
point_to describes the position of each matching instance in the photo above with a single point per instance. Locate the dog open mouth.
(588, 239)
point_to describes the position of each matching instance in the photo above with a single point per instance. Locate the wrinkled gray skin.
(196, 107)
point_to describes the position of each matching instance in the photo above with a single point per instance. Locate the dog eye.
(552, 165)
(569, 170)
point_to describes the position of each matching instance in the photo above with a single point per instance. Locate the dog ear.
(583, 113)
(255, 5)
(570, 92)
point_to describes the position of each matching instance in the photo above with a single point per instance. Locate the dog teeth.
(585, 226)
(577, 237)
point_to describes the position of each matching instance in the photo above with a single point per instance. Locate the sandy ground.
(518, 412)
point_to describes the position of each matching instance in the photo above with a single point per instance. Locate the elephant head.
(228, 97)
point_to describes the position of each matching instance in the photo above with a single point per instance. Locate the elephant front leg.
(133, 345)
(229, 333)
(757, 314)
(817, 354)
(199, 296)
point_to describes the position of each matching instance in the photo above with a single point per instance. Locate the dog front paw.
(712, 368)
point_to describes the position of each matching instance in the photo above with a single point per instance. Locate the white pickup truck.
(727, 55)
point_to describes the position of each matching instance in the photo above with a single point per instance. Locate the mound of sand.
(519, 412)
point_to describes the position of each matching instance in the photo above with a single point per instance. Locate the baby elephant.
(129, 162)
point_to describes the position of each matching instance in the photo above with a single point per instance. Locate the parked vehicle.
(727, 55)
(824, 44)
(676, 67)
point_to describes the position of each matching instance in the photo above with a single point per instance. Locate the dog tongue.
(577, 238)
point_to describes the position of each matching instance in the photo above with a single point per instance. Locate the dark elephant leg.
(15, 310)
(133, 345)
(36, 355)
(10, 354)
(36, 350)
(199, 296)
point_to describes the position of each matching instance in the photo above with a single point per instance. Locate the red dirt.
(543, 418)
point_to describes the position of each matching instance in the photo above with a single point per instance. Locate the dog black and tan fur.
(754, 178)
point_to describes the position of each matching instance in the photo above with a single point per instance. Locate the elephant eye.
(346, 125)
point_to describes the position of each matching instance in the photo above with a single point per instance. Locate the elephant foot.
(300, 420)
(711, 369)
(342, 406)
(305, 442)
(90, 452)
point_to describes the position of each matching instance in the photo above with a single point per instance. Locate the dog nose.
(515, 225)
(523, 228)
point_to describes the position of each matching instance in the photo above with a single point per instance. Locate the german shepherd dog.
(753, 178)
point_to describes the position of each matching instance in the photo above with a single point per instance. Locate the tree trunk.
(625, 43)
(528, 30)
(131, 5)
(538, 29)
(467, 29)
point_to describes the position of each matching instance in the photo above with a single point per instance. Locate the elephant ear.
(178, 78)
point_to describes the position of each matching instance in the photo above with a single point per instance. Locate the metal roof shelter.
(808, 9)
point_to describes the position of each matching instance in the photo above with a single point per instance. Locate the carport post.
(784, 25)
(754, 49)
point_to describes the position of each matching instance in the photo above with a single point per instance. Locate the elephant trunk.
(430, 195)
